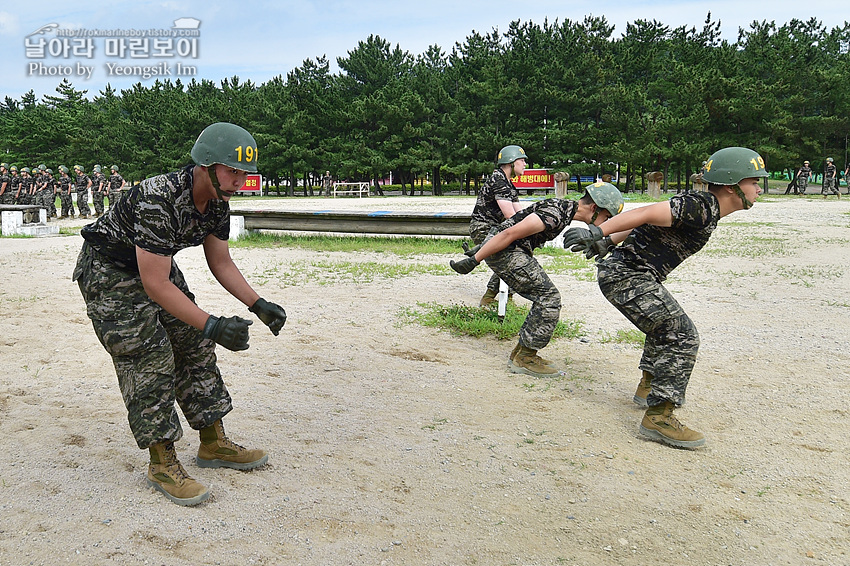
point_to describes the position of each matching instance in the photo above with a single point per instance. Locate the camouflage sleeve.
(691, 210)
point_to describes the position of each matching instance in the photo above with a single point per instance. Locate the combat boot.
(488, 298)
(661, 425)
(166, 474)
(643, 389)
(218, 451)
(527, 361)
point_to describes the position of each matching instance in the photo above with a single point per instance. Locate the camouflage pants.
(159, 359)
(44, 198)
(67, 204)
(830, 187)
(83, 202)
(802, 184)
(526, 277)
(97, 201)
(478, 231)
(672, 341)
(113, 196)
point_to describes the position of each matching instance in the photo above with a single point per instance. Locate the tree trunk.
(436, 184)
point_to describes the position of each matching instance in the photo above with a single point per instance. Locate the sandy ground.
(391, 443)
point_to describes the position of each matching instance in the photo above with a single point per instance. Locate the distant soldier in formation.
(830, 179)
(51, 193)
(14, 185)
(800, 181)
(5, 184)
(98, 190)
(116, 185)
(25, 188)
(327, 183)
(43, 189)
(65, 198)
(83, 184)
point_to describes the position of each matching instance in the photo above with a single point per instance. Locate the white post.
(503, 299)
(237, 227)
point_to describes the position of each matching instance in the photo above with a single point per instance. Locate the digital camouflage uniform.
(50, 195)
(6, 186)
(83, 193)
(632, 277)
(517, 267)
(159, 359)
(487, 213)
(803, 178)
(14, 187)
(65, 196)
(115, 182)
(98, 191)
(26, 186)
(830, 180)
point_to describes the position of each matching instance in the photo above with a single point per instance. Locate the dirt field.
(391, 443)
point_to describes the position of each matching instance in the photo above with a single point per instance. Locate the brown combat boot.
(643, 389)
(527, 361)
(660, 425)
(218, 451)
(166, 474)
(488, 298)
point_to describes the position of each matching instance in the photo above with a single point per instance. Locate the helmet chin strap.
(747, 204)
(216, 185)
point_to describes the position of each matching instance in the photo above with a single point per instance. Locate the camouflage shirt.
(98, 182)
(497, 187)
(4, 178)
(661, 249)
(82, 182)
(804, 172)
(65, 184)
(115, 181)
(556, 214)
(829, 171)
(160, 217)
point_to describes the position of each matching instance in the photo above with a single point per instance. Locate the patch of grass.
(477, 322)
(752, 240)
(403, 246)
(632, 337)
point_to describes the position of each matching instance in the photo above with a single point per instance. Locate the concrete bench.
(26, 220)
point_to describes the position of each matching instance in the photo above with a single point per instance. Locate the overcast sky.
(260, 40)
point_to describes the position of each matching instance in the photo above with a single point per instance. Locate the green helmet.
(4, 165)
(606, 196)
(42, 167)
(113, 168)
(25, 170)
(829, 160)
(97, 168)
(509, 154)
(227, 144)
(49, 170)
(78, 168)
(63, 168)
(729, 165)
(13, 168)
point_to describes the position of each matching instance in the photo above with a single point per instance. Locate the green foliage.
(477, 322)
(631, 337)
(574, 96)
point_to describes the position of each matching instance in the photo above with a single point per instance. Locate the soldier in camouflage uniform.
(5, 184)
(509, 252)
(82, 186)
(327, 184)
(162, 344)
(116, 185)
(803, 178)
(497, 201)
(98, 190)
(656, 239)
(14, 184)
(65, 183)
(43, 190)
(52, 193)
(25, 188)
(830, 179)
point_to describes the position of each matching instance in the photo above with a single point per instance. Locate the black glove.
(599, 248)
(230, 332)
(465, 265)
(465, 246)
(574, 236)
(271, 314)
